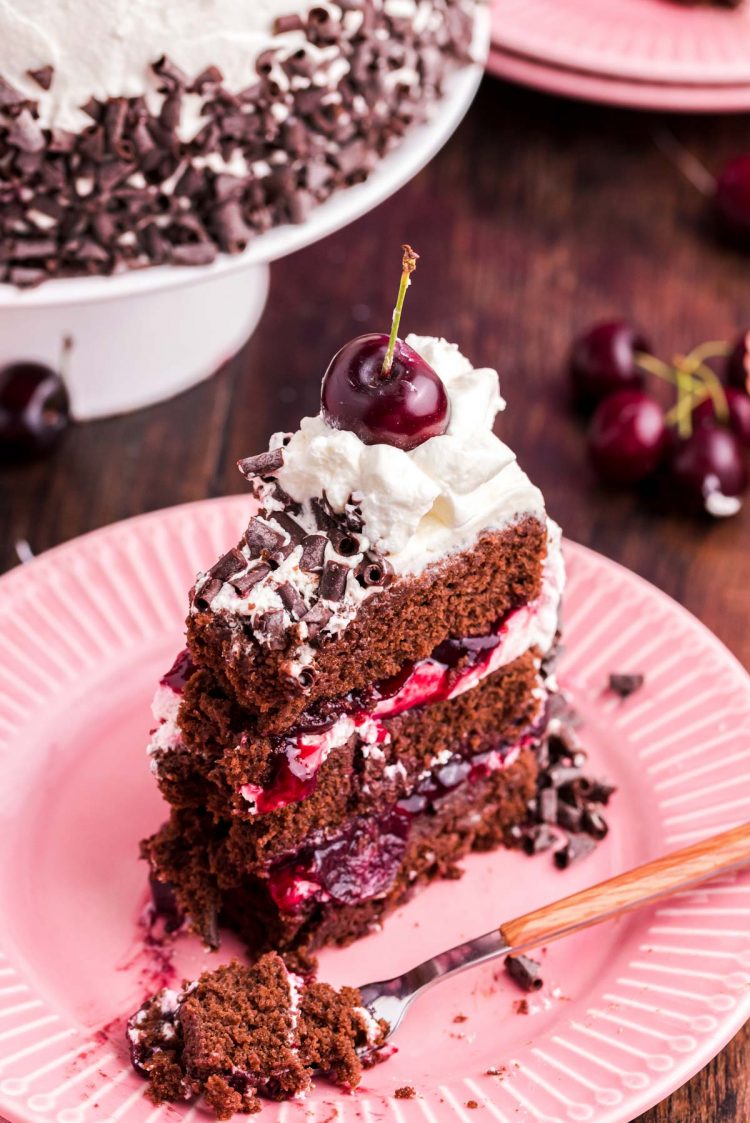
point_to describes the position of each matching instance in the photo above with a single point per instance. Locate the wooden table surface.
(539, 217)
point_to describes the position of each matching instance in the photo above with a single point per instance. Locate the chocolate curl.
(576, 848)
(262, 464)
(374, 571)
(243, 585)
(209, 591)
(625, 685)
(260, 537)
(313, 553)
(296, 532)
(270, 627)
(316, 619)
(333, 581)
(344, 543)
(524, 971)
(292, 601)
(226, 567)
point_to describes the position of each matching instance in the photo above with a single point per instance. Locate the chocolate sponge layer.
(464, 595)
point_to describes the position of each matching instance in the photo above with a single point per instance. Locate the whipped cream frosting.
(417, 507)
(420, 505)
(105, 48)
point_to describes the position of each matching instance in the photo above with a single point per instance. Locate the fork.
(654, 881)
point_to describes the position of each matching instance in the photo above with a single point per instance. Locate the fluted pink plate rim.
(629, 1011)
(642, 40)
(618, 91)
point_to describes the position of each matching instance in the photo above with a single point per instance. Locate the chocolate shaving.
(313, 553)
(524, 971)
(262, 464)
(624, 685)
(270, 627)
(569, 817)
(325, 518)
(344, 543)
(231, 563)
(316, 619)
(547, 805)
(259, 538)
(243, 585)
(291, 526)
(537, 839)
(291, 599)
(577, 847)
(333, 581)
(204, 598)
(374, 571)
(42, 76)
(595, 824)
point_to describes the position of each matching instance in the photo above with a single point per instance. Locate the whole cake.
(366, 693)
(139, 133)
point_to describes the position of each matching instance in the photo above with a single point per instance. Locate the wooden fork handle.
(661, 878)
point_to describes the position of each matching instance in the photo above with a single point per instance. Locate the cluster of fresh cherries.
(34, 409)
(697, 448)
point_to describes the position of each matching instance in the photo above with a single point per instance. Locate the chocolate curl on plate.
(262, 464)
(625, 685)
(524, 971)
(577, 847)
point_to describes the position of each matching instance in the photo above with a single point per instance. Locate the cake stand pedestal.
(144, 336)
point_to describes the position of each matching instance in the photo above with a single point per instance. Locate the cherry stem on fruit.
(651, 365)
(408, 265)
(694, 381)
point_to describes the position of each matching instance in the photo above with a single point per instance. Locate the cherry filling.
(362, 861)
(304, 748)
(178, 674)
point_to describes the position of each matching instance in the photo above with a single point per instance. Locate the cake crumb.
(405, 1093)
(623, 685)
(494, 1071)
(460, 1018)
(521, 1006)
(472, 1103)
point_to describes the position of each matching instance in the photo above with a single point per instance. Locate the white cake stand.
(146, 335)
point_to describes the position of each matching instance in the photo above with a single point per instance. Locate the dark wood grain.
(538, 217)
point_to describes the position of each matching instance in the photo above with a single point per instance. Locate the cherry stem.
(408, 265)
(694, 381)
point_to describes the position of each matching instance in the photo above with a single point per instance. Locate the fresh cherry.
(404, 409)
(381, 389)
(602, 360)
(709, 470)
(738, 364)
(733, 199)
(34, 410)
(627, 436)
(738, 405)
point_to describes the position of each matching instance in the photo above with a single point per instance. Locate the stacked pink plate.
(649, 54)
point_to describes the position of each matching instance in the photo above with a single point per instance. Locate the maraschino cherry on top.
(379, 388)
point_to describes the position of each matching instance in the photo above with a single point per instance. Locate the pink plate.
(642, 1003)
(618, 91)
(641, 40)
